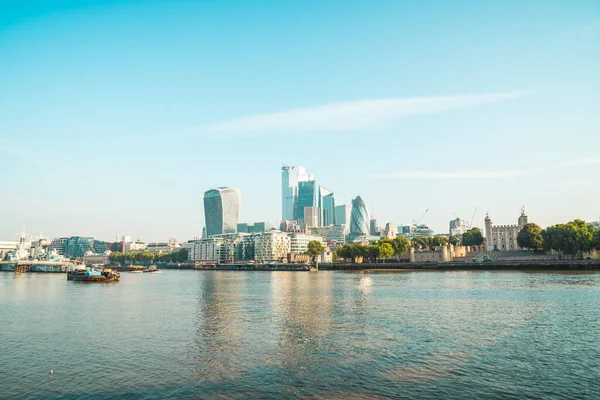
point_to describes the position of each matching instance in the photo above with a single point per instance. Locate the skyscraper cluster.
(304, 201)
(307, 205)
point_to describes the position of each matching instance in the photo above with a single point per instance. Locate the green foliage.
(372, 251)
(145, 257)
(453, 240)
(596, 240)
(420, 243)
(401, 245)
(472, 237)
(386, 250)
(315, 247)
(569, 238)
(530, 237)
(439, 241)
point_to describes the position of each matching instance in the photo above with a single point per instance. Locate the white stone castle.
(503, 237)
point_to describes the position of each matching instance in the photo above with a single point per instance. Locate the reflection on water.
(359, 335)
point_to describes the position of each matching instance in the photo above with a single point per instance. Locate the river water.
(302, 335)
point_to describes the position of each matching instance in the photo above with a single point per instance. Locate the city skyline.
(108, 124)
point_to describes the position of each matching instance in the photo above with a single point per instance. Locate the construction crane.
(472, 219)
(416, 221)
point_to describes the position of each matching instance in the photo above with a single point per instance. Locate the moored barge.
(93, 275)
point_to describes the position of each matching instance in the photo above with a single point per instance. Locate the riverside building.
(299, 242)
(272, 246)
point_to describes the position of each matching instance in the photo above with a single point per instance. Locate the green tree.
(569, 238)
(373, 251)
(472, 237)
(453, 240)
(401, 246)
(358, 250)
(339, 252)
(315, 247)
(428, 242)
(596, 240)
(530, 237)
(181, 256)
(419, 242)
(440, 241)
(386, 251)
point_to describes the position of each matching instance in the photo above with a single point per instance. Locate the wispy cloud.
(352, 115)
(447, 174)
(582, 161)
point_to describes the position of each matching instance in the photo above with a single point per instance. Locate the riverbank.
(568, 265)
(556, 265)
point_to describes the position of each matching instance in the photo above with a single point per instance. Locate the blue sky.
(115, 116)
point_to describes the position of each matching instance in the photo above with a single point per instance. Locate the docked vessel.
(93, 275)
(152, 269)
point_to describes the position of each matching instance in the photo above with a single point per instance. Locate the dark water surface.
(229, 335)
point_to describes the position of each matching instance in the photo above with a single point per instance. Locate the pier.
(23, 266)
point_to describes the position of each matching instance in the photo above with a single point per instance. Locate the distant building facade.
(457, 227)
(221, 210)
(333, 233)
(271, 246)
(342, 216)
(359, 219)
(291, 176)
(299, 242)
(422, 231)
(373, 227)
(257, 227)
(311, 217)
(307, 197)
(327, 205)
(389, 231)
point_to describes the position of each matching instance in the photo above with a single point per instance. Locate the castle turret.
(522, 219)
(488, 232)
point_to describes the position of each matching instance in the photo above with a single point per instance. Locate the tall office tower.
(311, 217)
(221, 210)
(308, 193)
(373, 227)
(327, 205)
(359, 218)
(290, 177)
(342, 214)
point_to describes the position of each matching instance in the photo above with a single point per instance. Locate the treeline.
(145, 257)
(382, 249)
(570, 238)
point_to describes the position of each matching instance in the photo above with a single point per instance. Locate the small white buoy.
(51, 372)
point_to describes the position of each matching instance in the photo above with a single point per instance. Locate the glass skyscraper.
(327, 205)
(308, 196)
(290, 177)
(221, 210)
(359, 218)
